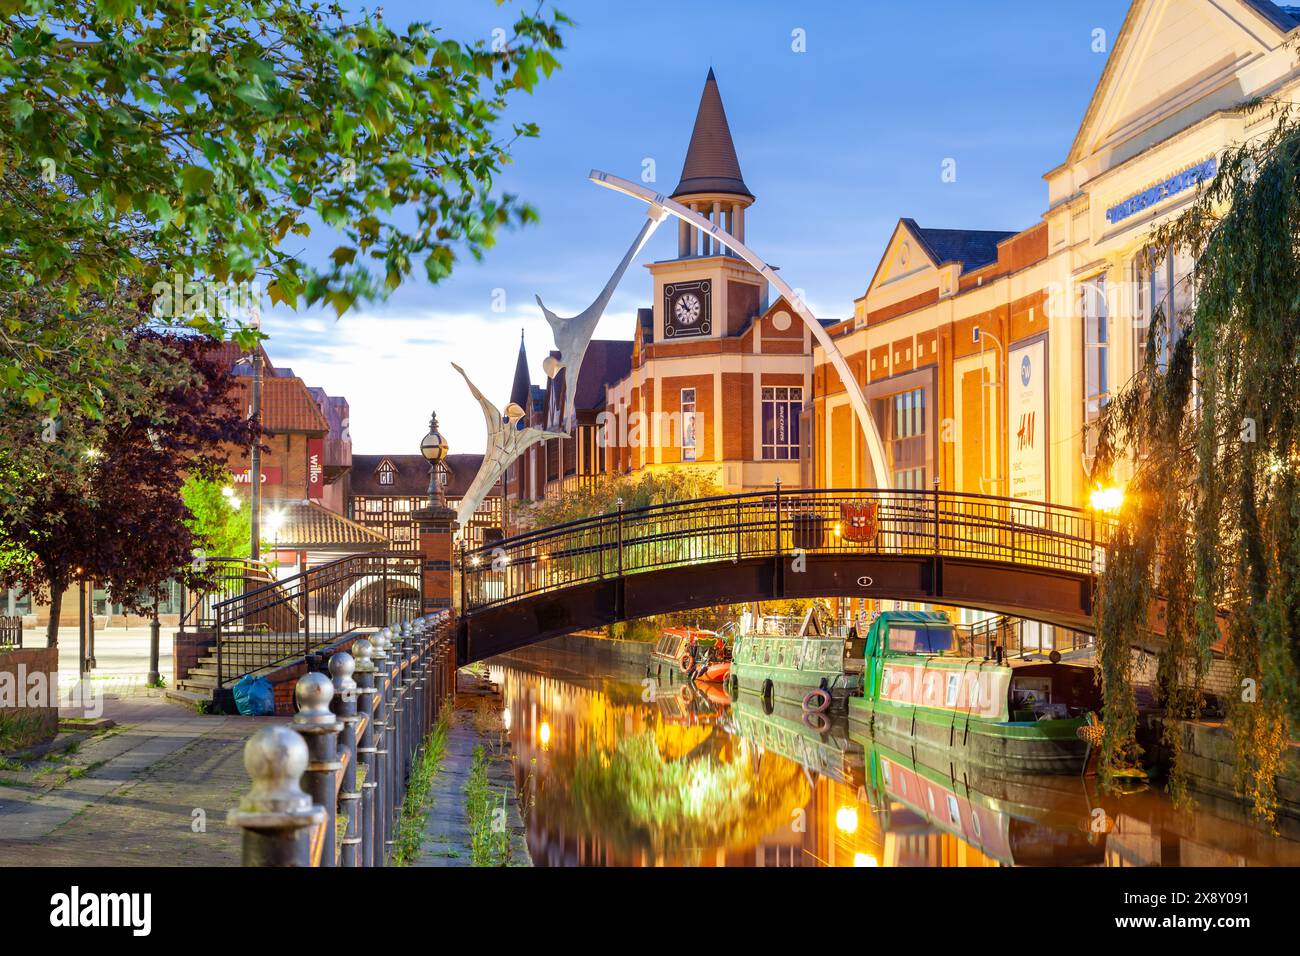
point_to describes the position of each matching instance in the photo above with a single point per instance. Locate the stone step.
(184, 695)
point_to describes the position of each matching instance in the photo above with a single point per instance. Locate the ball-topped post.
(320, 729)
(276, 815)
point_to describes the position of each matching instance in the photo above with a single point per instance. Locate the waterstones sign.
(1172, 186)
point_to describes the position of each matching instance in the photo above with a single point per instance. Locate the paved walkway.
(151, 791)
(474, 722)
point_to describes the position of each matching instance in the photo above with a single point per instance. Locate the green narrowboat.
(920, 692)
(816, 742)
(817, 672)
(1016, 819)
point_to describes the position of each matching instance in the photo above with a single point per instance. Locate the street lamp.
(434, 450)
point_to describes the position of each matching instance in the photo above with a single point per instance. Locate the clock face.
(687, 309)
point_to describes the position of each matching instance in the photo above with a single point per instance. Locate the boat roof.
(912, 617)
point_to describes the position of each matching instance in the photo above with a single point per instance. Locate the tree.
(157, 154)
(102, 499)
(222, 523)
(1210, 428)
(602, 496)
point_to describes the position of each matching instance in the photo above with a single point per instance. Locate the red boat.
(699, 654)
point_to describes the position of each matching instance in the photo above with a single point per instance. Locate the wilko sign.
(315, 468)
(270, 476)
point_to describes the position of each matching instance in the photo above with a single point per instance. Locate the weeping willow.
(1209, 430)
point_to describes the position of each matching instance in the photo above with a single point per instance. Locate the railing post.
(464, 607)
(739, 548)
(383, 622)
(216, 633)
(320, 728)
(342, 666)
(276, 815)
(936, 516)
(305, 607)
(382, 797)
(365, 678)
(776, 549)
(619, 502)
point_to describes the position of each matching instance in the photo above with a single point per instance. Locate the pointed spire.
(523, 381)
(711, 165)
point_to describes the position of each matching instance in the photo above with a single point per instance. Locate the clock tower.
(707, 292)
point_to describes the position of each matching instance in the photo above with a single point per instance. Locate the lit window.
(1166, 291)
(688, 424)
(386, 473)
(781, 408)
(1096, 353)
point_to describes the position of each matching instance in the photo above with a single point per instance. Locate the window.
(1096, 350)
(1166, 290)
(688, 424)
(374, 506)
(907, 428)
(781, 408)
(401, 532)
(402, 505)
(386, 473)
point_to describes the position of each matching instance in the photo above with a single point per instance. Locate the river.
(617, 769)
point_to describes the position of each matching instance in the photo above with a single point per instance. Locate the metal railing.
(290, 619)
(775, 523)
(11, 633)
(224, 578)
(352, 745)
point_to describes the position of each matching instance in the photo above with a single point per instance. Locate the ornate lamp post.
(434, 450)
(435, 524)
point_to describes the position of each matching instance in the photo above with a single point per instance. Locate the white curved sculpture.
(573, 335)
(507, 438)
(875, 447)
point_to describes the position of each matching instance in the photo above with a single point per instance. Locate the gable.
(906, 258)
(1171, 56)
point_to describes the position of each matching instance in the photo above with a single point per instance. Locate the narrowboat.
(1015, 819)
(695, 653)
(813, 670)
(817, 742)
(920, 692)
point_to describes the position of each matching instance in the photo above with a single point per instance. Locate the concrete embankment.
(1209, 755)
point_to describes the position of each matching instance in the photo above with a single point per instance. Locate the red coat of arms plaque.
(859, 520)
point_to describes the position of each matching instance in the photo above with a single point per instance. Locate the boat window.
(950, 695)
(920, 638)
(780, 654)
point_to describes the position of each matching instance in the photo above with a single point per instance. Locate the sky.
(837, 141)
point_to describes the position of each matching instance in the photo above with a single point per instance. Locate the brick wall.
(31, 676)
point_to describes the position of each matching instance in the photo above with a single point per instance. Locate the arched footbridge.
(1006, 555)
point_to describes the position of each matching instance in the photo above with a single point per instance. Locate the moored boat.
(693, 652)
(817, 671)
(920, 691)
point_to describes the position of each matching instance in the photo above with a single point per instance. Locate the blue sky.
(837, 142)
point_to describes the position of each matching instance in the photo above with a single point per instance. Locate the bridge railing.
(776, 523)
(287, 620)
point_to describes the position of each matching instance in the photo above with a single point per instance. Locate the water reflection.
(620, 772)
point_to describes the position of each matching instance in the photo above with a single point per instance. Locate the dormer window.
(442, 475)
(387, 473)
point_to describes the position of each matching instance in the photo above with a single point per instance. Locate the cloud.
(394, 367)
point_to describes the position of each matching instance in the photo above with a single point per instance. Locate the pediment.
(1169, 55)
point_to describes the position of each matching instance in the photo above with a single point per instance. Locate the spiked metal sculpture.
(573, 335)
(508, 436)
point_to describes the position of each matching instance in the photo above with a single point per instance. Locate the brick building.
(386, 489)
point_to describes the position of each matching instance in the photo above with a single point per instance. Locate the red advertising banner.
(270, 475)
(315, 469)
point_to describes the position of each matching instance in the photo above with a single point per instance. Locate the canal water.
(617, 769)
